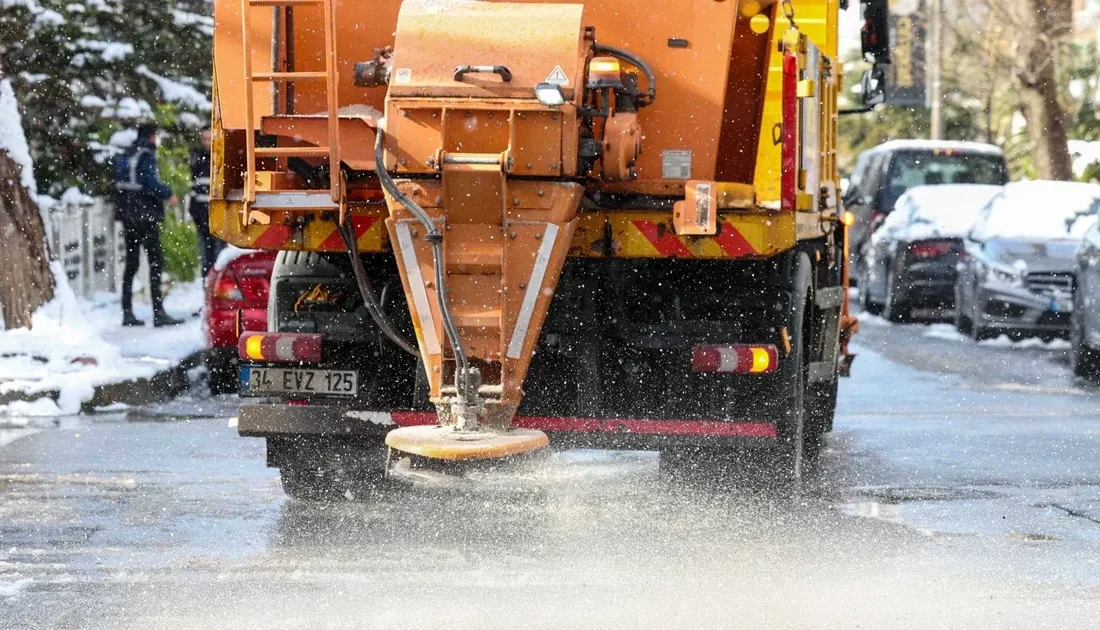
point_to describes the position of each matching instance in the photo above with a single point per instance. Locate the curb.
(162, 386)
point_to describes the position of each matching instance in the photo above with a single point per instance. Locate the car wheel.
(963, 323)
(894, 308)
(1084, 358)
(865, 298)
(221, 373)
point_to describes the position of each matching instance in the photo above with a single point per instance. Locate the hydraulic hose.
(635, 61)
(369, 300)
(435, 238)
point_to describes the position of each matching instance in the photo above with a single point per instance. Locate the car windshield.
(932, 168)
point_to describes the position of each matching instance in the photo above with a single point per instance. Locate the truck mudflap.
(266, 420)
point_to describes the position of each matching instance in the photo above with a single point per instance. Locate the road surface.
(961, 488)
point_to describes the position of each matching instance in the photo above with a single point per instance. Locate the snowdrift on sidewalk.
(71, 349)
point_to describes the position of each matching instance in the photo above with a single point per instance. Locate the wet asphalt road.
(960, 489)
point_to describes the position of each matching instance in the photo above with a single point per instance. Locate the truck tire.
(820, 413)
(329, 470)
(792, 381)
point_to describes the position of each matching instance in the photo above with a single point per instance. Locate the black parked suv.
(883, 174)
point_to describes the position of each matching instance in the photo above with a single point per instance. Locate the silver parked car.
(1017, 276)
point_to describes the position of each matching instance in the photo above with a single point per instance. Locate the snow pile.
(74, 347)
(8, 589)
(1042, 210)
(61, 351)
(950, 333)
(947, 211)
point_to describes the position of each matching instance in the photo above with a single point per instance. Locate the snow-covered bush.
(85, 70)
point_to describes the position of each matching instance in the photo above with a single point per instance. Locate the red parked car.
(236, 300)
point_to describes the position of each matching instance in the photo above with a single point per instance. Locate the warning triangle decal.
(557, 77)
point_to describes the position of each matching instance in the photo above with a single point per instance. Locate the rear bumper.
(274, 420)
(929, 282)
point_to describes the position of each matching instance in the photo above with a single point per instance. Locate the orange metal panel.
(534, 41)
(229, 61)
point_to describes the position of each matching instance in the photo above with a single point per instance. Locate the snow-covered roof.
(945, 211)
(229, 254)
(1042, 210)
(929, 145)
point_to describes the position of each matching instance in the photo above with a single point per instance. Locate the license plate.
(258, 381)
(1061, 306)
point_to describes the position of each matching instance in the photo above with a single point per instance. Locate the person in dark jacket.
(140, 197)
(199, 203)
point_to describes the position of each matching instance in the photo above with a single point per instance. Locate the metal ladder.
(296, 199)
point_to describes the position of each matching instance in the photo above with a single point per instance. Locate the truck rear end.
(610, 224)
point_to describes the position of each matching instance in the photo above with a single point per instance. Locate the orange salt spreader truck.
(502, 224)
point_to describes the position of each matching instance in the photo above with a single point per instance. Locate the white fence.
(89, 244)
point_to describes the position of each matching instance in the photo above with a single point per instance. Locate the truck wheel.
(329, 470)
(820, 412)
(792, 381)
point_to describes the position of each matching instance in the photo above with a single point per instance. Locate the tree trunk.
(25, 278)
(1040, 89)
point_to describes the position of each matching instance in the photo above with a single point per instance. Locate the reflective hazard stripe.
(416, 285)
(534, 289)
(133, 185)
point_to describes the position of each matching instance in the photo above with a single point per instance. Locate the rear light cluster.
(931, 249)
(280, 347)
(248, 283)
(735, 358)
(226, 287)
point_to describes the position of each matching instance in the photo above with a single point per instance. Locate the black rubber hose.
(635, 61)
(369, 300)
(435, 238)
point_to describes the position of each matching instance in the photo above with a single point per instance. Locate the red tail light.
(280, 347)
(226, 287)
(735, 358)
(931, 249)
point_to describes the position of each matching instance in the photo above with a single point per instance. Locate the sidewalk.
(78, 357)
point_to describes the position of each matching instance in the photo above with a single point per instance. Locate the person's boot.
(128, 319)
(162, 318)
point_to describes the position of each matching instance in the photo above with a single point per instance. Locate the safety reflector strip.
(416, 285)
(735, 358)
(280, 347)
(534, 289)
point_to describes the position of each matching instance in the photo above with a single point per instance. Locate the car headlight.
(1000, 275)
